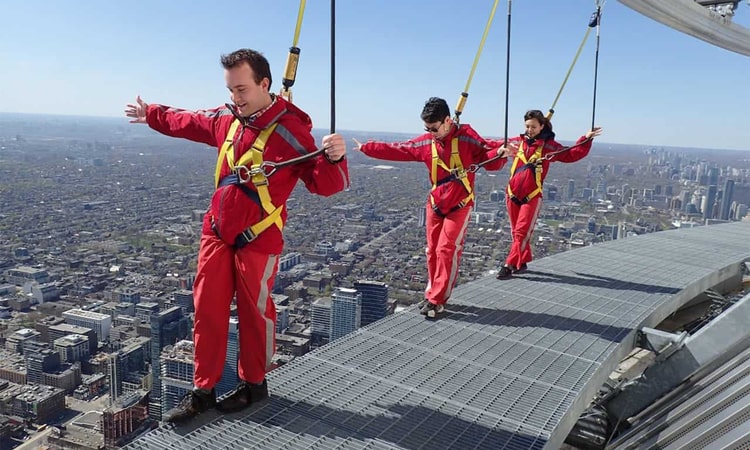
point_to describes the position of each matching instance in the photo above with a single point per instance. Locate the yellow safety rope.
(292, 59)
(465, 93)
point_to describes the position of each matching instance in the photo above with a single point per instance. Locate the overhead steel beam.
(695, 20)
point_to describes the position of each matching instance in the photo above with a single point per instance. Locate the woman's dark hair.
(539, 116)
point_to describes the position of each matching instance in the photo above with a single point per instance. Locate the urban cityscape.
(99, 232)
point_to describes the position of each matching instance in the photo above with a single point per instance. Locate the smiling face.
(247, 94)
(533, 128)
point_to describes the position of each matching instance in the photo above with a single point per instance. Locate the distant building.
(167, 328)
(289, 260)
(40, 404)
(126, 295)
(100, 323)
(726, 200)
(282, 318)
(177, 368)
(320, 332)
(374, 300)
(42, 293)
(145, 310)
(15, 342)
(72, 348)
(184, 299)
(39, 359)
(123, 419)
(64, 329)
(346, 310)
(229, 377)
(23, 274)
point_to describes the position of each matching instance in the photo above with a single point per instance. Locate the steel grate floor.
(510, 365)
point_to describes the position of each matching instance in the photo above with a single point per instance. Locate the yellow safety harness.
(536, 161)
(242, 174)
(456, 170)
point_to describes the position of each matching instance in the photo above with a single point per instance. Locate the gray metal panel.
(697, 21)
(711, 411)
(511, 365)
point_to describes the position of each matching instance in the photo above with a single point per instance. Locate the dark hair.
(254, 59)
(539, 116)
(435, 109)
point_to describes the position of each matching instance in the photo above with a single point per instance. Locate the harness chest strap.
(456, 169)
(259, 180)
(521, 156)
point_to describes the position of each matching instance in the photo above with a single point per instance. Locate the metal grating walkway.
(511, 365)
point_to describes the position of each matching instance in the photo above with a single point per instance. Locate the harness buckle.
(244, 238)
(245, 174)
(459, 173)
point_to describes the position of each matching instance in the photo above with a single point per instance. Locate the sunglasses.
(434, 129)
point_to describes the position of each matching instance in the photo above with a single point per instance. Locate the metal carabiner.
(246, 174)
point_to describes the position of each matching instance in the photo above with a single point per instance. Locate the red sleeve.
(320, 176)
(486, 150)
(197, 126)
(576, 153)
(411, 150)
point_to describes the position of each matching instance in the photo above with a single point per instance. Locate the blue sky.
(656, 85)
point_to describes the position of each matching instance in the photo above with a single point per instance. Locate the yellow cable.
(300, 14)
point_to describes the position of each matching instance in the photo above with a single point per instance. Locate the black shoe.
(522, 268)
(505, 272)
(432, 310)
(243, 396)
(192, 404)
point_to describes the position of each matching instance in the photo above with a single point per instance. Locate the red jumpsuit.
(524, 193)
(448, 211)
(249, 271)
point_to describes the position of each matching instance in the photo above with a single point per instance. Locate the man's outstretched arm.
(196, 126)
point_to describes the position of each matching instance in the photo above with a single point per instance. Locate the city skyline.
(656, 87)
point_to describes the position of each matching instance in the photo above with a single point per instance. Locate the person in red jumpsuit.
(242, 230)
(448, 150)
(537, 148)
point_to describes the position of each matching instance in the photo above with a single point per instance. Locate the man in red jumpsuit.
(536, 149)
(448, 150)
(242, 229)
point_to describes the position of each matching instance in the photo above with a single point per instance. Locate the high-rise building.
(177, 368)
(39, 359)
(167, 328)
(571, 189)
(126, 295)
(709, 204)
(374, 300)
(100, 323)
(15, 342)
(64, 329)
(320, 328)
(346, 311)
(726, 199)
(184, 299)
(145, 310)
(713, 176)
(72, 348)
(282, 318)
(229, 377)
(289, 260)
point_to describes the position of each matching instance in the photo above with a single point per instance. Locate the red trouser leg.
(255, 274)
(522, 222)
(433, 225)
(212, 292)
(445, 243)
